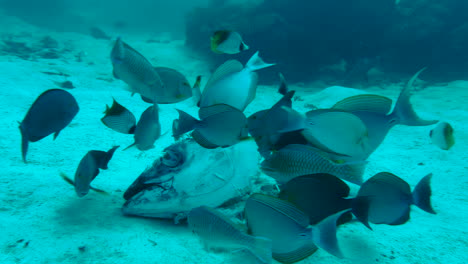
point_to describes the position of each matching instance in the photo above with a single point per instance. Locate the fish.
(147, 130)
(297, 160)
(136, 71)
(50, 113)
(442, 136)
(119, 118)
(187, 176)
(374, 111)
(176, 87)
(98, 33)
(288, 228)
(219, 126)
(228, 42)
(318, 195)
(233, 84)
(196, 92)
(336, 132)
(389, 199)
(217, 231)
(88, 169)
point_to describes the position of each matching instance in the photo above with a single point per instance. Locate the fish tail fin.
(422, 194)
(24, 144)
(261, 248)
(324, 234)
(67, 179)
(360, 209)
(404, 112)
(184, 124)
(256, 63)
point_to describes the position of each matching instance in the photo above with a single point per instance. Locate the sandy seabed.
(43, 221)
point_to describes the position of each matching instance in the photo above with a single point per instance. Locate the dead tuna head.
(188, 176)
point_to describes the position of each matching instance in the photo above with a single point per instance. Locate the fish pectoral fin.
(219, 176)
(98, 190)
(132, 145)
(56, 134)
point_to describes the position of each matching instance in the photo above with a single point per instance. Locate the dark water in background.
(305, 38)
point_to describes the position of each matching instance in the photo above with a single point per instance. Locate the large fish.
(220, 126)
(148, 129)
(188, 176)
(374, 111)
(176, 87)
(52, 111)
(233, 84)
(297, 160)
(218, 232)
(88, 169)
(288, 228)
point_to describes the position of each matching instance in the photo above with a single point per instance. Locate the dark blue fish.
(52, 111)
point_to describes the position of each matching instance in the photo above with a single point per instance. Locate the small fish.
(119, 118)
(233, 84)
(135, 70)
(98, 33)
(148, 129)
(389, 199)
(196, 91)
(52, 111)
(442, 136)
(220, 126)
(219, 232)
(88, 169)
(318, 195)
(296, 160)
(374, 111)
(228, 42)
(288, 228)
(176, 87)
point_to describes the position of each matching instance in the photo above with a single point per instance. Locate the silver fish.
(176, 87)
(88, 169)
(296, 160)
(220, 126)
(51, 112)
(233, 84)
(148, 129)
(288, 228)
(218, 232)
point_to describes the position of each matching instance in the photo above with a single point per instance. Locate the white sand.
(37, 206)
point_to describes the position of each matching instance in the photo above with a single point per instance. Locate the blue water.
(326, 49)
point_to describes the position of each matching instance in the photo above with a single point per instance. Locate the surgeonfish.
(88, 169)
(233, 84)
(442, 136)
(119, 118)
(318, 195)
(196, 91)
(296, 160)
(228, 42)
(288, 228)
(51, 112)
(176, 87)
(135, 70)
(388, 199)
(374, 111)
(220, 233)
(148, 129)
(219, 126)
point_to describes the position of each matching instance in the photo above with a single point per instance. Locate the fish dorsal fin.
(115, 109)
(390, 179)
(283, 207)
(202, 140)
(229, 67)
(365, 102)
(208, 111)
(296, 255)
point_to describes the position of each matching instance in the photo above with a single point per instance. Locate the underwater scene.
(234, 131)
